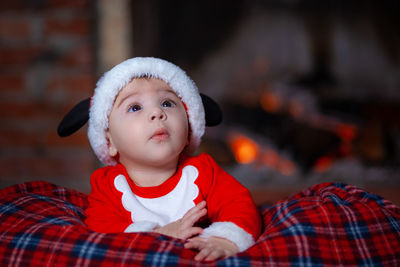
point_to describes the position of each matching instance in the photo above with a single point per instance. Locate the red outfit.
(115, 200)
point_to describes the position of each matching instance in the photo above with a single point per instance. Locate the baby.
(146, 120)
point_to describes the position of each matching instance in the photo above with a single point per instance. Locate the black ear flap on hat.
(212, 111)
(79, 115)
(75, 118)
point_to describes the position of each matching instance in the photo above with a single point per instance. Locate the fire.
(244, 149)
(347, 132)
(270, 102)
(323, 164)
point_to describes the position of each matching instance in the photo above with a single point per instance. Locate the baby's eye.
(168, 104)
(134, 108)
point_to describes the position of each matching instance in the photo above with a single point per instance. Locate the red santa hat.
(202, 111)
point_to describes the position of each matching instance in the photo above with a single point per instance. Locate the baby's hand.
(183, 228)
(212, 248)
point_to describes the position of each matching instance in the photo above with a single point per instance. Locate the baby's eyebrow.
(166, 91)
(169, 91)
(125, 98)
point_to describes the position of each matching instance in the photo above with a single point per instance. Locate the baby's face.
(147, 124)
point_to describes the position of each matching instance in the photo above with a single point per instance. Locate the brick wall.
(46, 66)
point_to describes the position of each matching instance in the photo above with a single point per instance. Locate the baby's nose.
(157, 113)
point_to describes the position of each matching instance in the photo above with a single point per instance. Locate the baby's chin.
(163, 155)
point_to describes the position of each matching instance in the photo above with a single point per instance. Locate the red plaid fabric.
(326, 225)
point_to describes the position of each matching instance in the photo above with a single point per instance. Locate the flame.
(247, 151)
(323, 164)
(244, 149)
(347, 132)
(270, 102)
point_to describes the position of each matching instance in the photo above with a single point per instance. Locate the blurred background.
(310, 89)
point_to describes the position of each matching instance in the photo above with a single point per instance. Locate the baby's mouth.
(160, 135)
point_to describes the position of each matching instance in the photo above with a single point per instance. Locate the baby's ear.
(112, 150)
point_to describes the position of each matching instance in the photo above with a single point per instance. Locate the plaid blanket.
(41, 224)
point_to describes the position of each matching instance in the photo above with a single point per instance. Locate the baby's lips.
(160, 134)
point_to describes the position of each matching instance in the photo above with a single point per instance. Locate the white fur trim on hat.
(114, 80)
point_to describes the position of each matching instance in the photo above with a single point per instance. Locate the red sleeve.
(228, 200)
(105, 213)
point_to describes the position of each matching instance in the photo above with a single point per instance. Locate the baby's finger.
(195, 243)
(195, 209)
(192, 231)
(202, 204)
(188, 221)
(199, 206)
(203, 254)
(215, 254)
